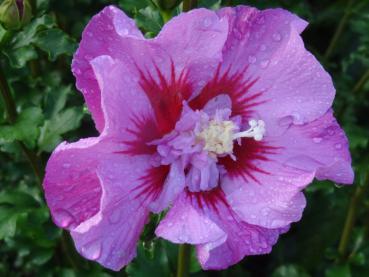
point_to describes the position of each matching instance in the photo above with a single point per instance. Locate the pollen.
(218, 137)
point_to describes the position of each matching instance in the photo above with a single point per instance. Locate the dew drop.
(338, 146)
(263, 47)
(88, 57)
(63, 218)
(207, 22)
(264, 63)
(261, 20)
(252, 59)
(123, 31)
(66, 165)
(331, 131)
(77, 71)
(92, 250)
(277, 36)
(317, 139)
(297, 118)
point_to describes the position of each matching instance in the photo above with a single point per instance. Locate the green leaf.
(25, 129)
(3, 33)
(59, 124)
(41, 256)
(289, 271)
(28, 35)
(339, 271)
(17, 198)
(150, 20)
(133, 5)
(210, 4)
(41, 32)
(55, 42)
(149, 264)
(8, 222)
(20, 56)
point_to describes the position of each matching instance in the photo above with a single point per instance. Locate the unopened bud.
(15, 13)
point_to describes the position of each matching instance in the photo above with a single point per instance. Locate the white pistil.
(256, 131)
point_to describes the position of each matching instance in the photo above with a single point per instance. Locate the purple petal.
(187, 223)
(319, 146)
(221, 238)
(194, 40)
(242, 238)
(173, 186)
(72, 188)
(111, 236)
(126, 109)
(288, 80)
(104, 35)
(93, 190)
(273, 198)
(112, 33)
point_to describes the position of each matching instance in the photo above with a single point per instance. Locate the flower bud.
(15, 13)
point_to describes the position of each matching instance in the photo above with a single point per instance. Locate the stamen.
(219, 135)
(256, 131)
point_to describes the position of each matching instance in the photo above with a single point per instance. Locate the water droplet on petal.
(207, 22)
(261, 20)
(277, 36)
(92, 250)
(331, 131)
(264, 63)
(252, 59)
(317, 139)
(338, 146)
(77, 71)
(63, 218)
(297, 118)
(123, 31)
(263, 47)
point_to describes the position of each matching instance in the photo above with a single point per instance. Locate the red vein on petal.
(233, 84)
(144, 131)
(165, 96)
(247, 154)
(151, 183)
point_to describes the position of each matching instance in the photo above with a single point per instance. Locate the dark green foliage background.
(36, 64)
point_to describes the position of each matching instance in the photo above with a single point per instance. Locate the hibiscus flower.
(221, 120)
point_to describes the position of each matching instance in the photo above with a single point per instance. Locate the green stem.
(12, 117)
(183, 265)
(339, 30)
(189, 5)
(361, 82)
(11, 111)
(350, 218)
(32, 159)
